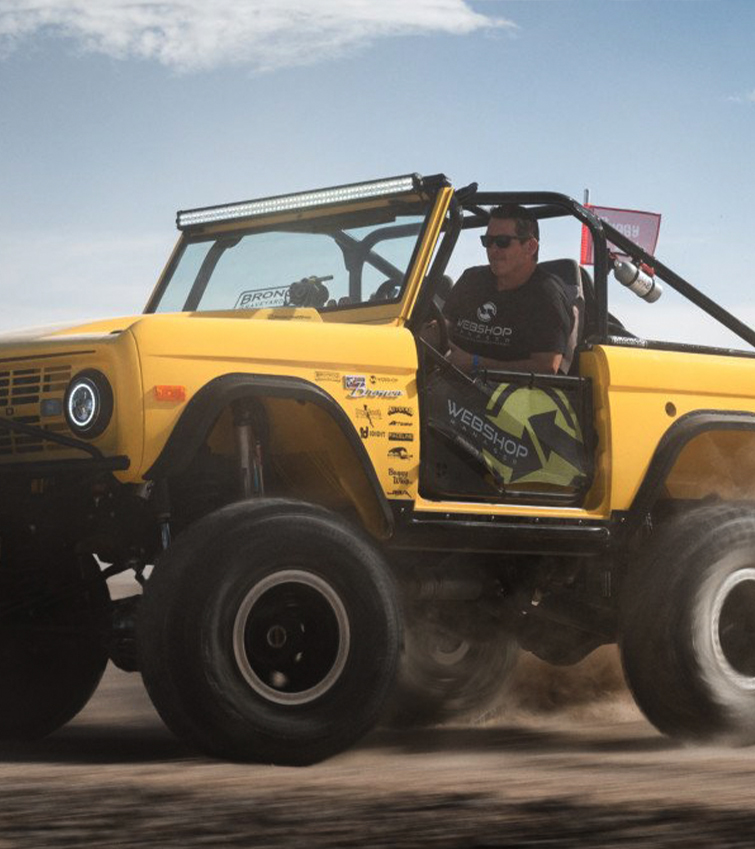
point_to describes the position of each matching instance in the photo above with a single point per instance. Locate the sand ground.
(569, 762)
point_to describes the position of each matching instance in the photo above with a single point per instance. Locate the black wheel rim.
(291, 637)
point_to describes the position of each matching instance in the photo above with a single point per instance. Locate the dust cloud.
(593, 687)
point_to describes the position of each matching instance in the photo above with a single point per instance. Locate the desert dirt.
(569, 761)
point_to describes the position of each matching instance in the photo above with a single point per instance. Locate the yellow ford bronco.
(332, 525)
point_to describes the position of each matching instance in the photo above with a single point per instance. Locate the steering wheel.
(386, 290)
(436, 315)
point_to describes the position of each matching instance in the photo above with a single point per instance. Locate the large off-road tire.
(54, 612)
(454, 666)
(687, 633)
(270, 632)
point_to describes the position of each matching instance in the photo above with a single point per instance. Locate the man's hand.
(431, 334)
(459, 357)
(545, 362)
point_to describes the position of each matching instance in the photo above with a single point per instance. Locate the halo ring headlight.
(88, 404)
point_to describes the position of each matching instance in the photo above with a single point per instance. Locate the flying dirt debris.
(568, 762)
(334, 526)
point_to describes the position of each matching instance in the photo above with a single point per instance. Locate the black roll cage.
(555, 205)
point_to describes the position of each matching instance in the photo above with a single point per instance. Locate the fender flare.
(681, 432)
(206, 404)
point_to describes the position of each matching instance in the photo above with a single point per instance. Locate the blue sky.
(115, 114)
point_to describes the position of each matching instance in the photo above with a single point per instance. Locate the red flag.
(640, 227)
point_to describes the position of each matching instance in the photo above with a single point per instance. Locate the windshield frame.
(420, 204)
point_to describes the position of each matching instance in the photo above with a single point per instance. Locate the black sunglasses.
(500, 241)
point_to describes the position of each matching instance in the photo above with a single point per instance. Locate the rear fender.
(704, 453)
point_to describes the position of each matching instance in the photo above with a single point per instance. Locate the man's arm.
(542, 362)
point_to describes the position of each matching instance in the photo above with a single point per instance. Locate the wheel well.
(308, 447)
(705, 453)
(716, 462)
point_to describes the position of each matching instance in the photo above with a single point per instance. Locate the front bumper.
(96, 460)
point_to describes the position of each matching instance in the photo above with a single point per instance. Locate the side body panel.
(369, 372)
(641, 398)
(641, 395)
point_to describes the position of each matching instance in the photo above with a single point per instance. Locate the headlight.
(89, 404)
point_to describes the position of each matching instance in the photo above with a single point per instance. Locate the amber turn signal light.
(170, 393)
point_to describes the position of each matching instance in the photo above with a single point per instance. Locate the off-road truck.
(332, 525)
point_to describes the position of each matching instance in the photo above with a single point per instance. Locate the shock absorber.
(249, 424)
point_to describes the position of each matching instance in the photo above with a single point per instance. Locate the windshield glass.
(326, 263)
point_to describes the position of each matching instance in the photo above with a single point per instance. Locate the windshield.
(326, 263)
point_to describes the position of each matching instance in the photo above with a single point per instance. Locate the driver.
(508, 314)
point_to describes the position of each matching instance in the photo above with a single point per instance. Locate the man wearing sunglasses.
(508, 314)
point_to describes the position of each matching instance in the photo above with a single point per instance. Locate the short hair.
(524, 221)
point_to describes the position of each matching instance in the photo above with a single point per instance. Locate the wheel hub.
(277, 637)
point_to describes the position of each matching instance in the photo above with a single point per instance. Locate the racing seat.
(572, 278)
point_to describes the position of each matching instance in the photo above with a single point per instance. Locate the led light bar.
(302, 200)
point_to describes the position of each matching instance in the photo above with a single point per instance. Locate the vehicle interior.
(529, 438)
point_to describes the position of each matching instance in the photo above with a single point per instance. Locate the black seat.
(572, 277)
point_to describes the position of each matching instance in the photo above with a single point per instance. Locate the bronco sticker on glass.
(255, 299)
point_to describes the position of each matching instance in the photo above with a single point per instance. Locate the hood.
(103, 328)
(68, 332)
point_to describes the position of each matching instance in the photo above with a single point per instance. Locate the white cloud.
(190, 35)
(749, 97)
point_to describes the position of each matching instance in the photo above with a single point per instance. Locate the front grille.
(22, 391)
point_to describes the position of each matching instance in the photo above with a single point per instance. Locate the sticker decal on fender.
(354, 381)
(356, 384)
(400, 437)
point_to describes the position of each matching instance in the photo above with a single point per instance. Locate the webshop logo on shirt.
(494, 333)
(487, 312)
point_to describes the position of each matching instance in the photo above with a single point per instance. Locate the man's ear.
(532, 246)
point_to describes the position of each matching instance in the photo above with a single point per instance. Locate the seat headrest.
(567, 270)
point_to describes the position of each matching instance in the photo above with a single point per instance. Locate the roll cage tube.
(678, 283)
(552, 205)
(358, 253)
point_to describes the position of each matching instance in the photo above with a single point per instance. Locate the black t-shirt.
(511, 324)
